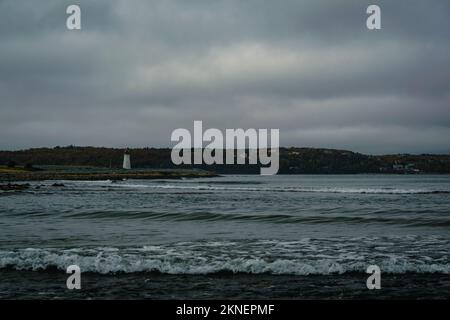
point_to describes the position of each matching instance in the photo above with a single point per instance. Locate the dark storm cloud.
(137, 70)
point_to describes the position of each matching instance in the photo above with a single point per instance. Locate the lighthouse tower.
(126, 160)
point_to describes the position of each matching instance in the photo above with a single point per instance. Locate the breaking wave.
(213, 187)
(306, 257)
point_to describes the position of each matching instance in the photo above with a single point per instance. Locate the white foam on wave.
(294, 258)
(287, 189)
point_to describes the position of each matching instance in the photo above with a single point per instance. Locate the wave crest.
(287, 258)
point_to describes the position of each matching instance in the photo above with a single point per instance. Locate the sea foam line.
(161, 260)
(290, 189)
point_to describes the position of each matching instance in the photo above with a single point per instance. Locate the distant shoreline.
(292, 160)
(113, 174)
(148, 175)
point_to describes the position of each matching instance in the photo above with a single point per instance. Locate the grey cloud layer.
(139, 69)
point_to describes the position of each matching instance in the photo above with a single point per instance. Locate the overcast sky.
(140, 69)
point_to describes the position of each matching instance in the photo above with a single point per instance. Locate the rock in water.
(14, 187)
(58, 185)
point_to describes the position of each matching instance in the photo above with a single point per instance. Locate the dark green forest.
(292, 160)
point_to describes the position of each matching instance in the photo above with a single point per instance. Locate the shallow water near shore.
(249, 237)
(51, 285)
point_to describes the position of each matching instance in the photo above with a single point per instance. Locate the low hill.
(292, 160)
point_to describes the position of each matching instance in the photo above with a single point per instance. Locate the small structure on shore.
(126, 160)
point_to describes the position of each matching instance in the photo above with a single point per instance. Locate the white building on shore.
(126, 160)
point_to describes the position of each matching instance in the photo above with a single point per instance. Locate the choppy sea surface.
(294, 236)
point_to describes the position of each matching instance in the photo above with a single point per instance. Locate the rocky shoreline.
(94, 176)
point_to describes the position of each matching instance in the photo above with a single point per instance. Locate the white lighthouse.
(126, 160)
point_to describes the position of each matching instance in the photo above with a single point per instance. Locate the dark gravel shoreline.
(102, 175)
(51, 285)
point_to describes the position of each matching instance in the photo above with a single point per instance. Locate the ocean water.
(295, 236)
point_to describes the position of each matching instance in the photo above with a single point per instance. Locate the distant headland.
(98, 163)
